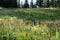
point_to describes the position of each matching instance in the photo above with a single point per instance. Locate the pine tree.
(18, 3)
(14, 3)
(26, 5)
(48, 3)
(39, 3)
(1, 1)
(8, 3)
(58, 3)
(31, 4)
(53, 3)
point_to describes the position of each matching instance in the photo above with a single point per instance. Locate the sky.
(22, 1)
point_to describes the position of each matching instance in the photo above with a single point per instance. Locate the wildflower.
(42, 30)
(13, 23)
(58, 22)
(56, 26)
(1, 19)
(1, 23)
(11, 18)
(45, 24)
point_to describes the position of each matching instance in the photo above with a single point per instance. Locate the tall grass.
(12, 28)
(29, 24)
(33, 14)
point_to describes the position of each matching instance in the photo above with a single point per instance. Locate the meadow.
(30, 24)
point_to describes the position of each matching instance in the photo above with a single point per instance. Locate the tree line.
(8, 3)
(46, 3)
(39, 3)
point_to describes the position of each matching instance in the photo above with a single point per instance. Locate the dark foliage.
(48, 3)
(39, 3)
(26, 5)
(59, 3)
(8, 3)
(32, 6)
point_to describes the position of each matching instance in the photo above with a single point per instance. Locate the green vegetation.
(33, 14)
(29, 24)
(12, 28)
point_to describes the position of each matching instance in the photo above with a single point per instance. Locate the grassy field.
(33, 14)
(30, 24)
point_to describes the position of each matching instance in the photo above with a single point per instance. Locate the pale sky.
(28, 1)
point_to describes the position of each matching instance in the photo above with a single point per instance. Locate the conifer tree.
(8, 3)
(39, 3)
(31, 4)
(48, 3)
(58, 3)
(53, 3)
(26, 5)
